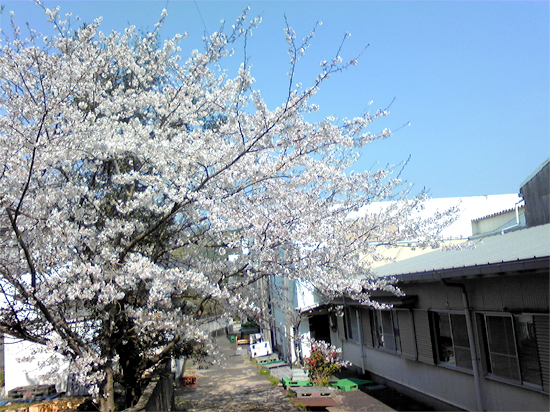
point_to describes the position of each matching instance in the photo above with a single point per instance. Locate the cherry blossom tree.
(128, 176)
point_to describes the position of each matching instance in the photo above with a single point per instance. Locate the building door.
(319, 327)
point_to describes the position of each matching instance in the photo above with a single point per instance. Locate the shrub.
(324, 361)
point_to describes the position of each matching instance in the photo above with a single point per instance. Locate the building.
(295, 312)
(472, 331)
(535, 190)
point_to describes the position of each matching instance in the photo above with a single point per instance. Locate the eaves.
(477, 271)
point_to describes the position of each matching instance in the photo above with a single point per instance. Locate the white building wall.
(27, 363)
(305, 296)
(504, 397)
(305, 335)
(470, 208)
(288, 299)
(434, 381)
(351, 351)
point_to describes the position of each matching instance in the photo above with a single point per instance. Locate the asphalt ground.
(234, 384)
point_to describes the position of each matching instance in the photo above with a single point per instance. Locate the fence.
(159, 393)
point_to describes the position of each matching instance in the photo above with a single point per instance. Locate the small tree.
(127, 178)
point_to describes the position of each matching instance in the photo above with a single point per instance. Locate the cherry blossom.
(129, 177)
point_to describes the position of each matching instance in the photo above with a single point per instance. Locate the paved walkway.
(235, 385)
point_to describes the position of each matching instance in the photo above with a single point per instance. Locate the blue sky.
(472, 77)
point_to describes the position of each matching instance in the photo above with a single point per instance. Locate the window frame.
(351, 324)
(380, 331)
(488, 368)
(437, 340)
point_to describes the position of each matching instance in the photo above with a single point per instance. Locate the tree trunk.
(107, 401)
(130, 380)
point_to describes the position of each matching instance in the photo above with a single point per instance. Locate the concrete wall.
(158, 395)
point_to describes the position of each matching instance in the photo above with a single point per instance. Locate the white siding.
(20, 370)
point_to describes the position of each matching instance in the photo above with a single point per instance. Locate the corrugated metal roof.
(503, 212)
(515, 246)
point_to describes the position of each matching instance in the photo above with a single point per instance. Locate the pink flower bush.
(324, 361)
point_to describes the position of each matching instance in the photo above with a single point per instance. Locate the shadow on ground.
(389, 397)
(398, 401)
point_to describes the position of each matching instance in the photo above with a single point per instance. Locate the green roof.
(513, 247)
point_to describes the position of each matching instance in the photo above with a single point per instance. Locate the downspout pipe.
(360, 329)
(363, 355)
(471, 340)
(343, 338)
(359, 318)
(517, 218)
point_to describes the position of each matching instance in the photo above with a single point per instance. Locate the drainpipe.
(360, 329)
(517, 218)
(471, 340)
(289, 332)
(343, 338)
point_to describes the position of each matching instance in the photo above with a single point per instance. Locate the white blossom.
(128, 180)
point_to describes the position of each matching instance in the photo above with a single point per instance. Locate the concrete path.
(235, 385)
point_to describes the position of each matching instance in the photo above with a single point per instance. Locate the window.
(385, 331)
(510, 346)
(451, 336)
(527, 349)
(352, 324)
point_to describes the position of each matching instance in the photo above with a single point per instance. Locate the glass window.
(501, 346)
(461, 343)
(453, 346)
(511, 348)
(385, 331)
(527, 349)
(352, 325)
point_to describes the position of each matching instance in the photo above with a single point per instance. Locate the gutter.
(471, 341)
(489, 268)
